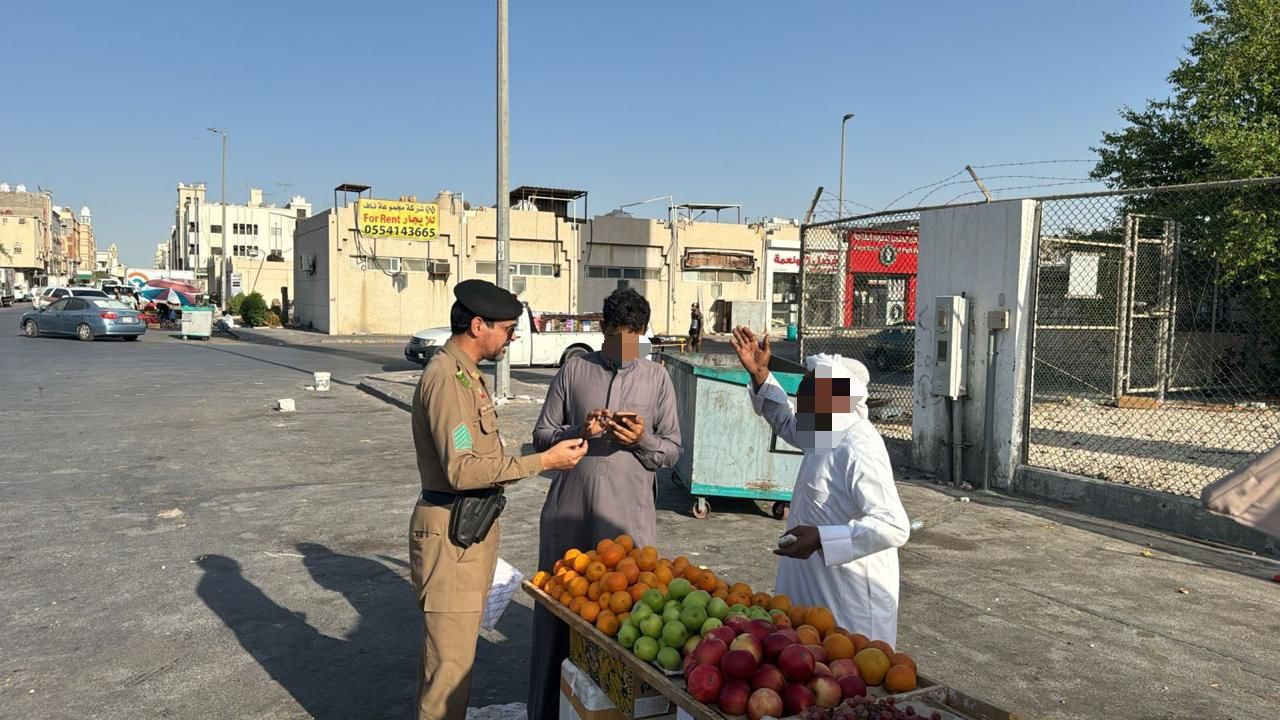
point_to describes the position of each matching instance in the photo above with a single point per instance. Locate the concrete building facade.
(30, 236)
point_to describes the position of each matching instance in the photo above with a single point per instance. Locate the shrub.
(253, 311)
(236, 302)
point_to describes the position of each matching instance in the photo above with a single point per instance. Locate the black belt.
(440, 499)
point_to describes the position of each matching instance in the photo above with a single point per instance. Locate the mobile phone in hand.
(626, 416)
(787, 540)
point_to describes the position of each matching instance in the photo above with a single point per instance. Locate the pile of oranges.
(601, 586)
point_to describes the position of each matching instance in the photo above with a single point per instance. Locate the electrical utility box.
(951, 333)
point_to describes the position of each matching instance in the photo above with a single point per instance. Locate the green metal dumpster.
(729, 451)
(197, 322)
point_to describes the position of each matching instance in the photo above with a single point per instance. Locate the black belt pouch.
(473, 514)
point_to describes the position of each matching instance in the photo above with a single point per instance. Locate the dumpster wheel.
(780, 510)
(701, 508)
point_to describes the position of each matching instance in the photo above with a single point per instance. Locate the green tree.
(253, 311)
(1221, 122)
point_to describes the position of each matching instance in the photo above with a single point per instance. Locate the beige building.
(31, 236)
(347, 284)
(711, 263)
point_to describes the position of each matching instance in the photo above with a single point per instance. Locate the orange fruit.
(614, 581)
(691, 573)
(630, 570)
(540, 579)
(620, 602)
(565, 598)
(604, 600)
(600, 546)
(720, 593)
(882, 646)
(638, 590)
(780, 618)
(872, 665)
(679, 564)
(736, 599)
(570, 554)
(663, 588)
(796, 613)
(648, 578)
(608, 623)
(576, 604)
(900, 679)
(579, 586)
(648, 559)
(821, 619)
(707, 581)
(589, 611)
(837, 646)
(612, 555)
(555, 569)
(593, 555)
(780, 602)
(901, 658)
(567, 574)
(860, 642)
(621, 618)
(663, 574)
(808, 635)
(593, 591)
(722, 585)
(626, 542)
(580, 563)
(761, 600)
(595, 571)
(553, 588)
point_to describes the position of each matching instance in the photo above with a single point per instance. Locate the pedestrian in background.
(625, 406)
(460, 460)
(696, 328)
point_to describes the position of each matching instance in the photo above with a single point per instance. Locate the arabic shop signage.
(397, 219)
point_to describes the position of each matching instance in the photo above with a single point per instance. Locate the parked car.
(56, 292)
(20, 292)
(893, 348)
(84, 317)
(529, 348)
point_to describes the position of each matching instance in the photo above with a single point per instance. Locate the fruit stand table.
(928, 698)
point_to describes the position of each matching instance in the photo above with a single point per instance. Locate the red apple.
(796, 663)
(737, 623)
(734, 696)
(689, 664)
(750, 644)
(825, 690)
(723, 633)
(704, 683)
(761, 629)
(842, 667)
(796, 698)
(764, 703)
(768, 676)
(780, 618)
(738, 664)
(776, 643)
(851, 686)
(709, 651)
(821, 669)
(819, 655)
(790, 634)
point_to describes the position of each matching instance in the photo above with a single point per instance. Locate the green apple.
(669, 658)
(653, 599)
(710, 624)
(674, 634)
(671, 614)
(718, 609)
(652, 626)
(700, 598)
(679, 588)
(646, 648)
(691, 644)
(738, 609)
(693, 617)
(627, 635)
(639, 612)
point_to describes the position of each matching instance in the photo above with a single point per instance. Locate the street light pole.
(840, 202)
(502, 374)
(222, 237)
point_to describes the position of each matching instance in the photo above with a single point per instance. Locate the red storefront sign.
(880, 281)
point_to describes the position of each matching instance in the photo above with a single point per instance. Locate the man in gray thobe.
(626, 407)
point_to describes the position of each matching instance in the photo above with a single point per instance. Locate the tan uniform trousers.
(451, 584)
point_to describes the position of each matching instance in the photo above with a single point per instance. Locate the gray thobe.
(610, 492)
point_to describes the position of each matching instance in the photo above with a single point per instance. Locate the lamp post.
(502, 374)
(840, 203)
(222, 237)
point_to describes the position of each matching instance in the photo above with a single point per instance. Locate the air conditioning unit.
(895, 311)
(438, 267)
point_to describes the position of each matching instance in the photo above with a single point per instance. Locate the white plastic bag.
(506, 580)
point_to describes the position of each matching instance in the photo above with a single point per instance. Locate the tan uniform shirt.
(455, 429)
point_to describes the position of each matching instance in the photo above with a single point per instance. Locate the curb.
(384, 396)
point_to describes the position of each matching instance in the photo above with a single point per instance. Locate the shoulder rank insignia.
(463, 380)
(462, 437)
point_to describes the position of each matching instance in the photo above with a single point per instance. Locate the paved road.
(173, 548)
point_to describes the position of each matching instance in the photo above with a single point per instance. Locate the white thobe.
(848, 493)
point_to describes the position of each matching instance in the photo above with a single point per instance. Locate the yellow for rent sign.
(397, 219)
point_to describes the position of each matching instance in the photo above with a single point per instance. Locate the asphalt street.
(175, 548)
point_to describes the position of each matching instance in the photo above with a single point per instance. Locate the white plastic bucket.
(322, 381)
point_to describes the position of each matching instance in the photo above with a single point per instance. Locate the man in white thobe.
(846, 517)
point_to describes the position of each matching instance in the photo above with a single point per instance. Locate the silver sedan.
(86, 318)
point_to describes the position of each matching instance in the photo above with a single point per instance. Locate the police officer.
(455, 434)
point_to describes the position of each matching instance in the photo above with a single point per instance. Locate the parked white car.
(52, 294)
(529, 347)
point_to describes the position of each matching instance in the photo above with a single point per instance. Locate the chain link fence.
(858, 283)
(1156, 344)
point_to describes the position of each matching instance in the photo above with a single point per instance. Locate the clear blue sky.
(735, 102)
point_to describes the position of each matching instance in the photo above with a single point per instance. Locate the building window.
(413, 264)
(215, 229)
(375, 264)
(487, 267)
(630, 273)
(302, 214)
(518, 284)
(715, 276)
(624, 284)
(191, 226)
(255, 229)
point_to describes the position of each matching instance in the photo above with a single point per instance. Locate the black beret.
(488, 300)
